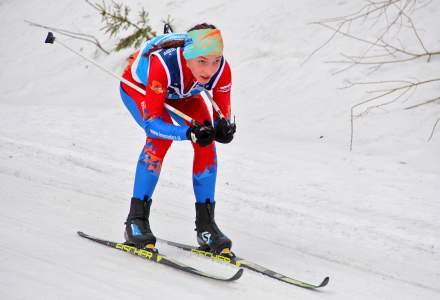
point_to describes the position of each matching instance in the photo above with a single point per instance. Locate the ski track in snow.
(290, 195)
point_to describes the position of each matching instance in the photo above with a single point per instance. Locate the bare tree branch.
(399, 90)
(433, 129)
(322, 46)
(377, 10)
(384, 48)
(423, 103)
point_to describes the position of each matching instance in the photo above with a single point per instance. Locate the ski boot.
(209, 236)
(137, 226)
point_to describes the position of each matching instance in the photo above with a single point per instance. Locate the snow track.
(286, 185)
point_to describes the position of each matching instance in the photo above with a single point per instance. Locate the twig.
(322, 46)
(379, 8)
(423, 103)
(379, 51)
(384, 92)
(433, 129)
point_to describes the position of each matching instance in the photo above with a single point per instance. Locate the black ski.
(159, 258)
(240, 262)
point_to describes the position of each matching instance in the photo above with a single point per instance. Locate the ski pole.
(50, 39)
(215, 106)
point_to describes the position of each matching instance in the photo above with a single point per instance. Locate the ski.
(159, 258)
(240, 262)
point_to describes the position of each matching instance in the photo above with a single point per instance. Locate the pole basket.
(50, 38)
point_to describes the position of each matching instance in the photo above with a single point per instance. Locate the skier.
(174, 69)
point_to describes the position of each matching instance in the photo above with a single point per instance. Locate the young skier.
(175, 69)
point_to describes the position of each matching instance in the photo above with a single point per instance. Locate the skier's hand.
(201, 134)
(224, 131)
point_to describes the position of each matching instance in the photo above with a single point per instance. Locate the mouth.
(205, 78)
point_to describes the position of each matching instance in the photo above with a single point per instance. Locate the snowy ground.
(367, 218)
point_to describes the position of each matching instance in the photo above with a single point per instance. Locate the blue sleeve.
(157, 128)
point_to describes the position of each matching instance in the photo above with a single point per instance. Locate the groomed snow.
(287, 185)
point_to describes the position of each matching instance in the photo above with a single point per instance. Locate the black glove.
(224, 131)
(201, 134)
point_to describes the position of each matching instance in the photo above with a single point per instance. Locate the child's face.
(204, 67)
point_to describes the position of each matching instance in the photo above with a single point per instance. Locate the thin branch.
(322, 46)
(391, 101)
(401, 8)
(352, 84)
(409, 84)
(385, 92)
(423, 103)
(379, 51)
(433, 129)
(417, 34)
(359, 15)
(383, 62)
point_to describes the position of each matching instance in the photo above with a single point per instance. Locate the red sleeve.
(222, 92)
(156, 89)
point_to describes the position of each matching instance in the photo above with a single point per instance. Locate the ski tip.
(82, 234)
(324, 282)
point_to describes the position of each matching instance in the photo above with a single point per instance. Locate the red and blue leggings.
(153, 153)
